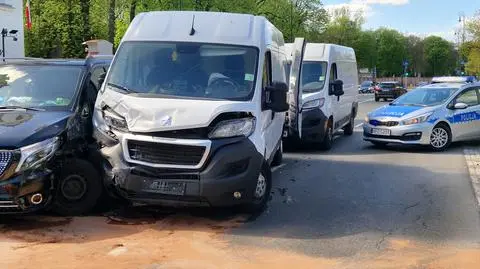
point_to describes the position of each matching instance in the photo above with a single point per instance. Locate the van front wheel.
(348, 129)
(261, 193)
(327, 142)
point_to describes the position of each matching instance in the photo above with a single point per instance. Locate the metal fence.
(408, 82)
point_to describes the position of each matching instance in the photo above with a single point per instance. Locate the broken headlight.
(115, 121)
(232, 128)
(36, 154)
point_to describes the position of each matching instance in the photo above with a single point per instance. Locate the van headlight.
(114, 121)
(37, 154)
(416, 120)
(317, 103)
(232, 128)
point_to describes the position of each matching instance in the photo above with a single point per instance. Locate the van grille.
(163, 153)
(6, 158)
(383, 123)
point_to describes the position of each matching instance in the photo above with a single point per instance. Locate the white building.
(11, 18)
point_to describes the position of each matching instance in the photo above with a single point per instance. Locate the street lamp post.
(5, 33)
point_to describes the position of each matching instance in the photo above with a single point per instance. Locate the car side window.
(267, 71)
(469, 97)
(333, 73)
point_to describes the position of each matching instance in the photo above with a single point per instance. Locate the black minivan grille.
(5, 161)
(163, 153)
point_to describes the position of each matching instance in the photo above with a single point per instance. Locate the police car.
(433, 115)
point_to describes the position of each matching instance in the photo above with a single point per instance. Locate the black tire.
(442, 129)
(327, 142)
(348, 129)
(278, 158)
(78, 187)
(258, 205)
(379, 144)
(377, 99)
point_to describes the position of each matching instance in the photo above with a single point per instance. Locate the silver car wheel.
(439, 137)
(261, 187)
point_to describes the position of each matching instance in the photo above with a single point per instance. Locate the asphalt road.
(355, 206)
(348, 202)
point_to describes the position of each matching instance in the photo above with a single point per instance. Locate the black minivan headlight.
(36, 154)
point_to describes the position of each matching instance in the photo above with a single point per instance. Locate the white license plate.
(377, 131)
(163, 187)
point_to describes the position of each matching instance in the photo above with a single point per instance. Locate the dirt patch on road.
(184, 241)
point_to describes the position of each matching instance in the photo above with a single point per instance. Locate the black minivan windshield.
(185, 70)
(49, 87)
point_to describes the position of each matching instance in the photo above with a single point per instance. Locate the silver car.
(434, 115)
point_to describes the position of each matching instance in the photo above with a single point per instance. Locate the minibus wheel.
(77, 188)
(278, 158)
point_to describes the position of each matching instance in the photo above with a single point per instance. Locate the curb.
(472, 157)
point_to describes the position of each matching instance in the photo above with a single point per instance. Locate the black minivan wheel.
(77, 188)
(261, 193)
(441, 137)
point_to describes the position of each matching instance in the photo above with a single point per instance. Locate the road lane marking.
(369, 100)
(358, 125)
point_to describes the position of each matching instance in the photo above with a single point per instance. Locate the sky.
(420, 17)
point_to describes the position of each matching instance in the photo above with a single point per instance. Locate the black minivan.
(47, 157)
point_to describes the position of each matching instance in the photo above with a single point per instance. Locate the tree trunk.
(111, 21)
(85, 9)
(133, 9)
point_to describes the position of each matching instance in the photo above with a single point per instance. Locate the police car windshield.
(425, 97)
(184, 70)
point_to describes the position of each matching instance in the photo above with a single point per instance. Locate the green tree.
(391, 52)
(438, 55)
(416, 56)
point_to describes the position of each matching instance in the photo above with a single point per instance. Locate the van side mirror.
(460, 106)
(336, 88)
(276, 97)
(101, 79)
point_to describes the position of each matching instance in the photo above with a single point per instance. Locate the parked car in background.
(366, 87)
(389, 90)
(46, 109)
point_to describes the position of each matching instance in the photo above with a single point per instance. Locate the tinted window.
(313, 76)
(45, 86)
(387, 85)
(469, 97)
(366, 84)
(191, 70)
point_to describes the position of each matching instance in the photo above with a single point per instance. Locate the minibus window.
(185, 70)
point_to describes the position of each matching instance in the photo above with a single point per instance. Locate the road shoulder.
(472, 157)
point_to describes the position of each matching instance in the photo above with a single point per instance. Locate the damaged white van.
(192, 110)
(328, 93)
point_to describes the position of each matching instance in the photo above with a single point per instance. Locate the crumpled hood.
(20, 128)
(399, 112)
(154, 114)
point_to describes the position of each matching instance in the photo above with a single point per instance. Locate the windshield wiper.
(122, 88)
(22, 107)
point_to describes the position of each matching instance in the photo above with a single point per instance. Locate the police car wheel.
(440, 138)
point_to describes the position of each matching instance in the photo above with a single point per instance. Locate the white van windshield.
(185, 70)
(313, 76)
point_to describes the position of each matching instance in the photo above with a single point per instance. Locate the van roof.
(324, 52)
(209, 27)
